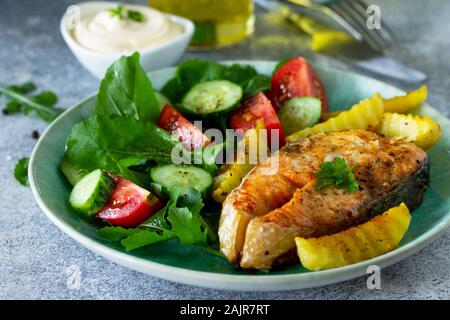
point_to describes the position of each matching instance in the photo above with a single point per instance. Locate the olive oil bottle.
(217, 22)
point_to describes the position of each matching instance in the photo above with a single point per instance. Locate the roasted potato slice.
(405, 103)
(365, 115)
(231, 175)
(399, 104)
(368, 240)
(421, 130)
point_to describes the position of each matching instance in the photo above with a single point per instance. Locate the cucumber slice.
(183, 176)
(299, 113)
(72, 174)
(162, 100)
(212, 96)
(90, 194)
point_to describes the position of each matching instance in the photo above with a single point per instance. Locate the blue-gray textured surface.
(35, 254)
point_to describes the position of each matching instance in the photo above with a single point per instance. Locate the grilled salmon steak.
(278, 201)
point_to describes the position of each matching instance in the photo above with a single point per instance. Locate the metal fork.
(351, 16)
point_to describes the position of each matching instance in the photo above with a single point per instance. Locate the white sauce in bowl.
(108, 33)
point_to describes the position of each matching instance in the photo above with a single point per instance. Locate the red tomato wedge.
(189, 135)
(296, 78)
(129, 205)
(257, 108)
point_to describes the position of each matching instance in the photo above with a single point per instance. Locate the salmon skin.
(261, 218)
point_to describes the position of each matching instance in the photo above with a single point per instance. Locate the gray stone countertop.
(35, 254)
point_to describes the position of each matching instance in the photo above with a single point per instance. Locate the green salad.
(121, 159)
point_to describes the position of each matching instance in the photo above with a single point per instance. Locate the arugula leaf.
(132, 238)
(187, 226)
(115, 233)
(42, 103)
(12, 106)
(336, 173)
(21, 171)
(143, 238)
(24, 88)
(127, 91)
(47, 98)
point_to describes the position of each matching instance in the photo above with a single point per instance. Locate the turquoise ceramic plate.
(190, 265)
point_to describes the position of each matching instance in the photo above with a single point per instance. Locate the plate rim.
(225, 281)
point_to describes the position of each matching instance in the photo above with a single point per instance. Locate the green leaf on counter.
(43, 104)
(21, 171)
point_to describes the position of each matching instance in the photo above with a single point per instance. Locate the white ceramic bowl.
(152, 58)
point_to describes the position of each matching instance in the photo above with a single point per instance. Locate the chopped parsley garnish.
(336, 173)
(124, 14)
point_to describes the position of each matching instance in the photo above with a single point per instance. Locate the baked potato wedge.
(399, 104)
(403, 104)
(421, 130)
(365, 115)
(231, 175)
(368, 240)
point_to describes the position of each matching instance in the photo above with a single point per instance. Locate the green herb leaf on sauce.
(135, 15)
(123, 14)
(117, 11)
(336, 173)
